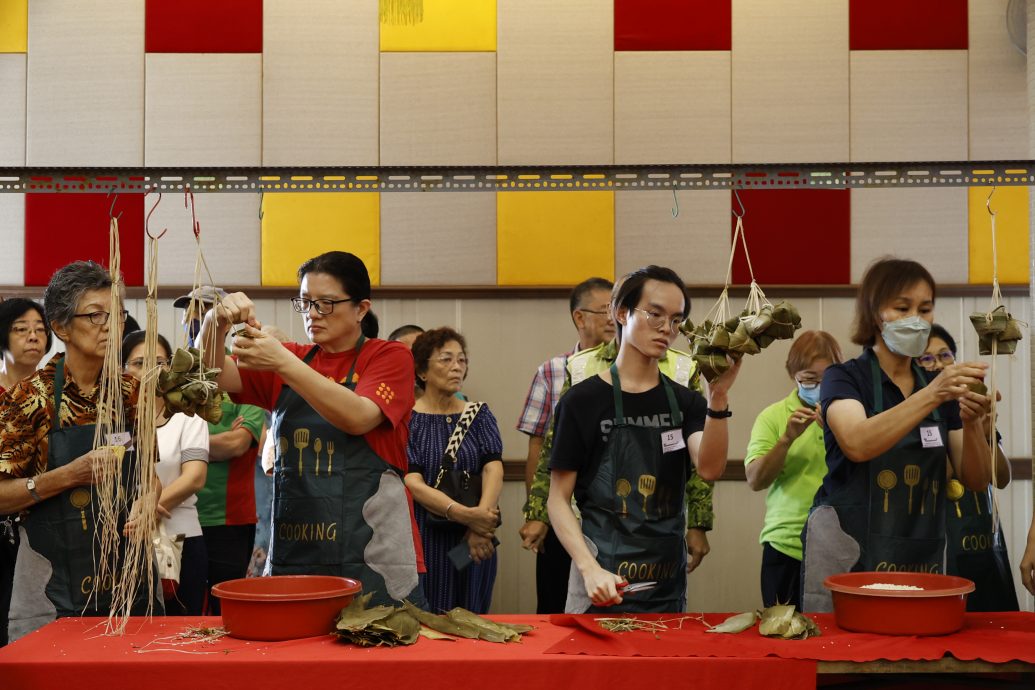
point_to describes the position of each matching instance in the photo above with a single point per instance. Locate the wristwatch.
(30, 484)
(718, 414)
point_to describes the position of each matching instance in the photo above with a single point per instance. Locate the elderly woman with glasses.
(341, 409)
(974, 545)
(182, 467)
(459, 547)
(47, 465)
(787, 457)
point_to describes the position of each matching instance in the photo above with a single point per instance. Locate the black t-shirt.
(586, 414)
(852, 380)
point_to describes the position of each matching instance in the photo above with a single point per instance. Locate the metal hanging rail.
(521, 178)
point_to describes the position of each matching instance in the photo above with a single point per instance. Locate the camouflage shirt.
(676, 365)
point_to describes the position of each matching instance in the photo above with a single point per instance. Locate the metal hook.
(743, 211)
(188, 193)
(111, 210)
(262, 193)
(988, 202)
(675, 201)
(147, 220)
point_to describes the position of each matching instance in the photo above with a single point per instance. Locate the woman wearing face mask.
(975, 546)
(890, 429)
(786, 456)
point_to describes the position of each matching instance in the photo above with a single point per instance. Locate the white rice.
(888, 585)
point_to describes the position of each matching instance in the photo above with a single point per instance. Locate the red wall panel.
(908, 24)
(672, 24)
(795, 236)
(62, 228)
(203, 26)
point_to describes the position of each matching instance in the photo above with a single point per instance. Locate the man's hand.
(696, 548)
(533, 532)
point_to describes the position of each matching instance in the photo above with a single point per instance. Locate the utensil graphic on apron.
(352, 518)
(875, 521)
(635, 529)
(977, 551)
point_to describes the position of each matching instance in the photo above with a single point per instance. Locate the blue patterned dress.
(444, 587)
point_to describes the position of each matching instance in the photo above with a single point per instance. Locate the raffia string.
(720, 311)
(997, 300)
(200, 268)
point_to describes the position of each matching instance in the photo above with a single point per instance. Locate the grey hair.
(68, 285)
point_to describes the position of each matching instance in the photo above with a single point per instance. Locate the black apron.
(977, 551)
(635, 512)
(54, 573)
(892, 508)
(338, 508)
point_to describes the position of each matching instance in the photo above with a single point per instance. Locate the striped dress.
(444, 587)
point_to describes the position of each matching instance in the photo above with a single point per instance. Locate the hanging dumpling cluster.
(190, 387)
(747, 334)
(997, 326)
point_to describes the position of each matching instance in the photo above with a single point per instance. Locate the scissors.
(636, 587)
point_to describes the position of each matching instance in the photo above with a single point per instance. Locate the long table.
(74, 652)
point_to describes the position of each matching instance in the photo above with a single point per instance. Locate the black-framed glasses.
(930, 360)
(99, 318)
(323, 306)
(656, 320)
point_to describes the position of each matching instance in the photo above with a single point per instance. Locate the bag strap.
(459, 432)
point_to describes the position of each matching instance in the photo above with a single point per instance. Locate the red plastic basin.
(937, 609)
(283, 607)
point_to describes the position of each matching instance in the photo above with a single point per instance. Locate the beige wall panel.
(998, 89)
(555, 63)
(696, 244)
(790, 81)
(927, 225)
(909, 105)
(12, 109)
(204, 109)
(514, 591)
(438, 239)
(672, 107)
(229, 238)
(836, 315)
(319, 74)
(438, 108)
(85, 98)
(12, 238)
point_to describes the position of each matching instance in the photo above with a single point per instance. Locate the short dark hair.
(351, 272)
(68, 285)
(938, 331)
(810, 346)
(405, 330)
(426, 344)
(15, 308)
(884, 280)
(131, 340)
(629, 289)
(587, 286)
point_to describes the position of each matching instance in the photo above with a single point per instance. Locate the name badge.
(931, 437)
(672, 440)
(123, 438)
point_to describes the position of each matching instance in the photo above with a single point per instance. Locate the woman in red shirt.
(341, 410)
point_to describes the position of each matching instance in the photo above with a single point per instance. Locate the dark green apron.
(893, 508)
(977, 551)
(54, 574)
(635, 512)
(338, 508)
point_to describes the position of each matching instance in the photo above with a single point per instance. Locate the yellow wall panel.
(448, 25)
(298, 226)
(1011, 228)
(14, 26)
(554, 238)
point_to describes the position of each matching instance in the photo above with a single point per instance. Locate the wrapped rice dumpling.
(746, 334)
(997, 326)
(189, 387)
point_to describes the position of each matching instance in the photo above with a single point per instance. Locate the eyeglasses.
(930, 361)
(99, 318)
(809, 384)
(447, 360)
(604, 312)
(323, 306)
(138, 363)
(656, 320)
(24, 331)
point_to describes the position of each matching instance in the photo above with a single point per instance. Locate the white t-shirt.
(181, 439)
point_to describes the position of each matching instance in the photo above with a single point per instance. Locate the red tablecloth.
(70, 653)
(994, 637)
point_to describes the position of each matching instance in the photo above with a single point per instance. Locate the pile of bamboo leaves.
(388, 626)
(188, 386)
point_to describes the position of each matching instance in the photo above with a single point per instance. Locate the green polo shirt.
(790, 495)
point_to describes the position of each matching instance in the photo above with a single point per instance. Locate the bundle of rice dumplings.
(188, 386)
(747, 334)
(999, 327)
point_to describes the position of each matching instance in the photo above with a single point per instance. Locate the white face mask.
(908, 336)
